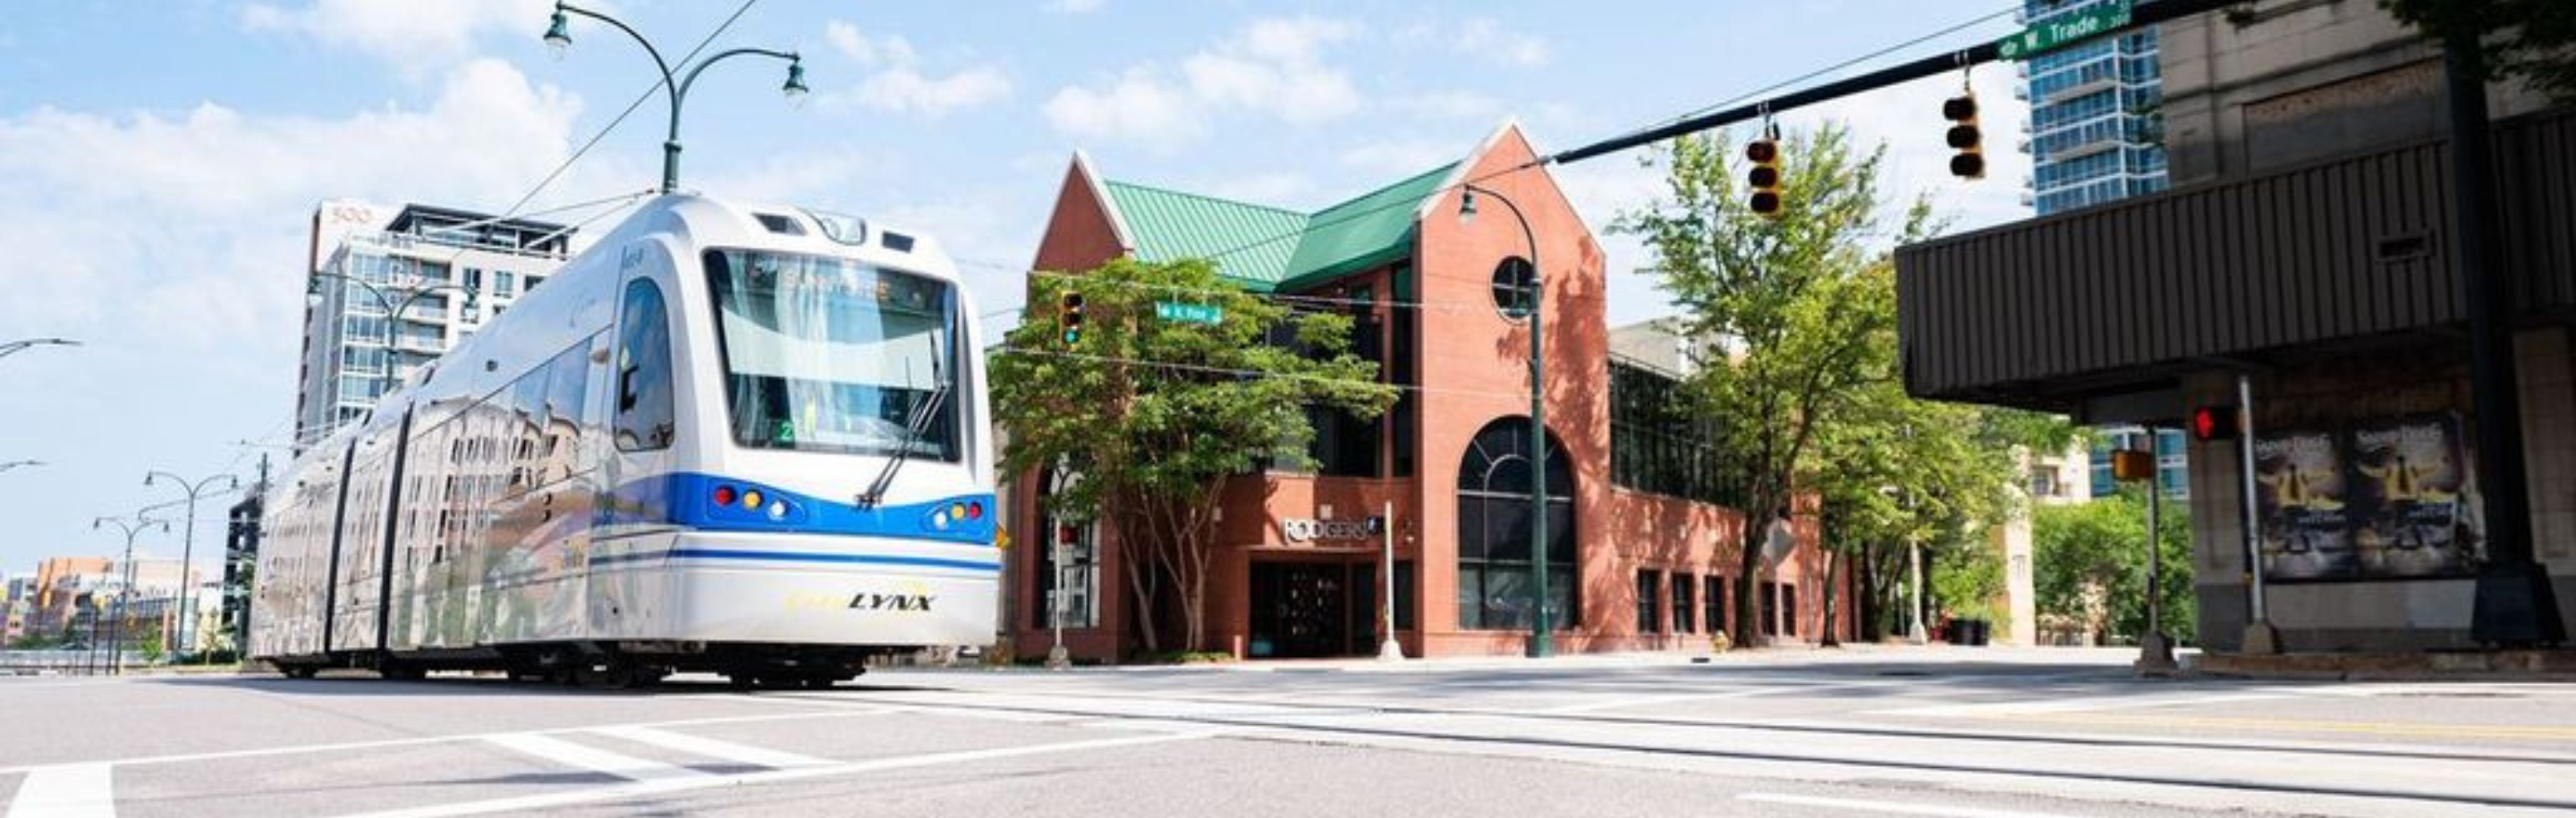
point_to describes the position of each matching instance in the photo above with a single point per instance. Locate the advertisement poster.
(2409, 516)
(2300, 497)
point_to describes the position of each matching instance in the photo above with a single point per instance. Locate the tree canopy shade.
(1151, 416)
(2090, 564)
(1802, 307)
(2531, 39)
(1804, 369)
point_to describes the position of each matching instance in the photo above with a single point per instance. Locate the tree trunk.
(1831, 594)
(1748, 596)
(1143, 580)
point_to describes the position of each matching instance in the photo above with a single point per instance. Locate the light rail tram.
(736, 439)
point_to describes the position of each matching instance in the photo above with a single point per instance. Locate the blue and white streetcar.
(738, 439)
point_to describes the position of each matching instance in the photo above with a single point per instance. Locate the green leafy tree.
(2090, 564)
(1156, 416)
(1801, 304)
(2531, 39)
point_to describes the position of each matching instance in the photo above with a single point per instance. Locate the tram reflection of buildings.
(1643, 532)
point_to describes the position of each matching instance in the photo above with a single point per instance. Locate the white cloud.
(1075, 6)
(1486, 39)
(1139, 106)
(1273, 67)
(903, 90)
(1393, 157)
(898, 85)
(203, 214)
(405, 33)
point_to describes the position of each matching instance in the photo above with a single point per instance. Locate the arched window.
(1512, 287)
(1494, 575)
(644, 405)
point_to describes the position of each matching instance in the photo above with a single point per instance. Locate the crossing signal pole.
(1764, 178)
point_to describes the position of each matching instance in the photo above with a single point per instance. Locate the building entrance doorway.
(1312, 609)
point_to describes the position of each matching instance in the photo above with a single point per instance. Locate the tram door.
(1312, 609)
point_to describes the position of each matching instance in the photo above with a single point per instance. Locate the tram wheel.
(299, 671)
(741, 681)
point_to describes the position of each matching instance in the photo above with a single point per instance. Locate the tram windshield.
(824, 354)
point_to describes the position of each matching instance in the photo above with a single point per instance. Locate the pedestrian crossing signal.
(1069, 318)
(1764, 179)
(1970, 161)
(2210, 423)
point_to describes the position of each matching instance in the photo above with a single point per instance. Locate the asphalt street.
(1877, 732)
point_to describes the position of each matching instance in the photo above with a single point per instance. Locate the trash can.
(1971, 633)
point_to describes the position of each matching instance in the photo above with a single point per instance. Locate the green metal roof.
(1267, 248)
(1169, 225)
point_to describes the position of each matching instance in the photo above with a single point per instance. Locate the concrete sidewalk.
(2465, 665)
(1774, 657)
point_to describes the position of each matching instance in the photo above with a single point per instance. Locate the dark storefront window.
(1770, 609)
(1404, 418)
(1682, 607)
(1650, 602)
(1789, 609)
(1494, 567)
(1715, 600)
(1657, 444)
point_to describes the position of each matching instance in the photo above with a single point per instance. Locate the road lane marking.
(594, 759)
(534, 803)
(713, 748)
(2383, 728)
(1887, 807)
(302, 749)
(65, 791)
(1739, 693)
(2074, 705)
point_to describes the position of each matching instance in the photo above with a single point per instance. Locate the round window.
(1512, 285)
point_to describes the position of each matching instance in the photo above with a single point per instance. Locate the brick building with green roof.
(1641, 542)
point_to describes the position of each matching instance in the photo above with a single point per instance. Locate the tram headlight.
(778, 510)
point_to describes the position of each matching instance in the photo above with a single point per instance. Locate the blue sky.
(161, 160)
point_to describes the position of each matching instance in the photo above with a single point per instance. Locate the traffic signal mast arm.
(2147, 14)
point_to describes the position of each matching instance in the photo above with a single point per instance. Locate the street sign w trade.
(2060, 31)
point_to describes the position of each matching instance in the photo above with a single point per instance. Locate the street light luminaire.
(558, 35)
(1467, 206)
(795, 88)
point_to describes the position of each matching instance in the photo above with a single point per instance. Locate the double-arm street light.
(116, 627)
(559, 37)
(188, 541)
(1542, 642)
(14, 347)
(386, 301)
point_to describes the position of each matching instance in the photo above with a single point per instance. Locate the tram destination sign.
(2065, 29)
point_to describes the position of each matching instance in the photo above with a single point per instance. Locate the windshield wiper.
(923, 414)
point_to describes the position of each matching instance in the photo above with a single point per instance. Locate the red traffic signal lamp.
(1964, 137)
(1764, 178)
(2210, 423)
(1069, 318)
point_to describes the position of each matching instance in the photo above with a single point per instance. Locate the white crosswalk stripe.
(590, 758)
(65, 791)
(713, 748)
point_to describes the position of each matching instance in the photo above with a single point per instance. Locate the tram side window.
(644, 414)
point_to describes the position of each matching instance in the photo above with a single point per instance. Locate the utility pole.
(2515, 605)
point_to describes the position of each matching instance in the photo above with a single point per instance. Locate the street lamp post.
(559, 37)
(393, 308)
(14, 347)
(188, 542)
(1542, 641)
(116, 629)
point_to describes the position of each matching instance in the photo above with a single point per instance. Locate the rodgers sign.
(1299, 529)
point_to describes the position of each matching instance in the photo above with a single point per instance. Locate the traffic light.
(1764, 179)
(2214, 423)
(2132, 466)
(1970, 163)
(1069, 318)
